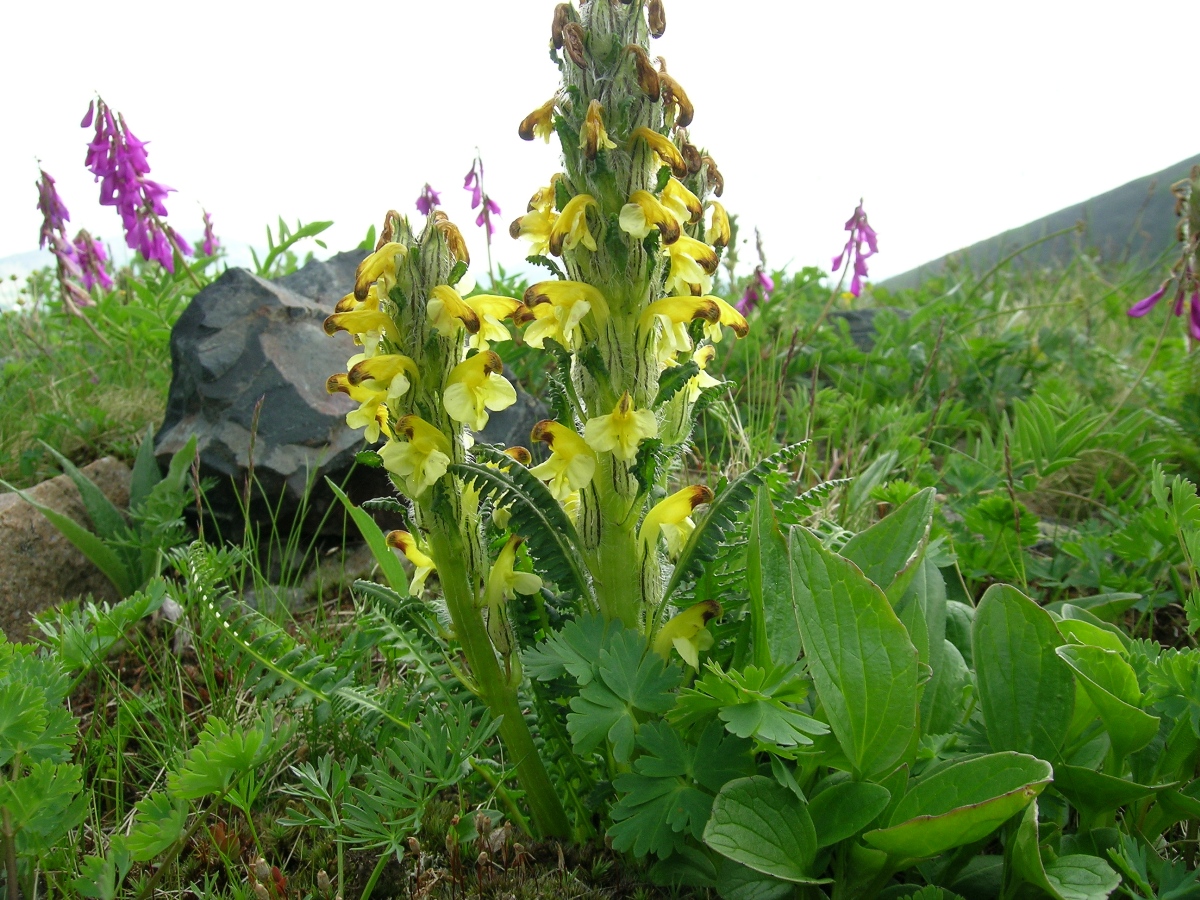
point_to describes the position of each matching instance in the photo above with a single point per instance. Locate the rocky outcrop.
(38, 566)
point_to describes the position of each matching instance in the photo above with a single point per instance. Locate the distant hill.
(1136, 220)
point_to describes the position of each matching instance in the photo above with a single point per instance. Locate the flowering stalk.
(66, 253)
(853, 254)
(473, 182)
(210, 243)
(1185, 274)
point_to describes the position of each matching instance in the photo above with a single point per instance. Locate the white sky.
(954, 120)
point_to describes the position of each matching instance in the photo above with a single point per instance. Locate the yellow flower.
(729, 316)
(422, 564)
(491, 308)
(372, 383)
(540, 122)
(673, 340)
(666, 152)
(692, 264)
(621, 430)
(686, 632)
(570, 229)
(365, 324)
(681, 309)
(572, 462)
(543, 198)
(682, 203)
(718, 232)
(570, 505)
(447, 311)
(592, 136)
(502, 585)
(703, 380)
(643, 212)
(558, 308)
(535, 227)
(349, 303)
(387, 369)
(380, 267)
(474, 387)
(422, 459)
(673, 518)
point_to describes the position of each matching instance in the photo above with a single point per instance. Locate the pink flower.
(54, 234)
(428, 200)
(479, 199)
(91, 258)
(758, 291)
(860, 232)
(210, 243)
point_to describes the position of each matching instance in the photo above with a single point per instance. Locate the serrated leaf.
(574, 651)
(158, 822)
(221, 755)
(23, 715)
(44, 804)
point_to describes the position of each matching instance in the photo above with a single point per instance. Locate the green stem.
(375, 873)
(548, 815)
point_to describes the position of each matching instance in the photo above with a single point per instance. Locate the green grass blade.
(393, 571)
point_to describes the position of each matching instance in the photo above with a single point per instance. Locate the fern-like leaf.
(552, 540)
(723, 512)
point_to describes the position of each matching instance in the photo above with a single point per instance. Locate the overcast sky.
(954, 120)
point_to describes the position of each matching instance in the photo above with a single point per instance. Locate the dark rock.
(243, 338)
(862, 323)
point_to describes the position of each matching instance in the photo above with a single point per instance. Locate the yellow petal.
(447, 311)
(685, 625)
(673, 510)
(668, 154)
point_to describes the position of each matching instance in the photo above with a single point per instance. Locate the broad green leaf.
(845, 809)
(863, 664)
(574, 651)
(738, 882)
(1106, 607)
(157, 824)
(106, 518)
(1110, 683)
(1074, 615)
(961, 803)
(1079, 632)
(100, 554)
(760, 824)
(949, 691)
(389, 564)
(1071, 877)
(145, 472)
(960, 621)
(1095, 792)
(776, 639)
(888, 551)
(1026, 692)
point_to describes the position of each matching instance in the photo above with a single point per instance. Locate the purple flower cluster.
(118, 160)
(67, 254)
(757, 291)
(210, 244)
(479, 199)
(428, 201)
(1192, 303)
(853, 253)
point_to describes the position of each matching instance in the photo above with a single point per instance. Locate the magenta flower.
(428, 201)
(480, 200)
(860, 233)
(119, 162)
(210, 243)
(1183, 281)
(54, 234)
(91, 258)
(758, 291)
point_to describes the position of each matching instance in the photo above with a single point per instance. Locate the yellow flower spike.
(447, 311)
(668, 154)
(643, 212)
(683, 204)
(362, 321)
(491, 308)
(686, 632)
(622, 430)
(570, 229)
(729, 316)
(692, 265)
(540, 122)
(379, 266)
(680, 309)
(673, 518)
(474, 387)
(407, 544)
(718, 233)
(421, 459)
(535, 227)
(592, 136)
(572, 462)
(702, 381)
(386, 369)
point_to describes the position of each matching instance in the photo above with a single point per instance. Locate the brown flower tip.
(573, 42)
(520, 454)
(658, 18)
(387, 234)
(562, 15)
(514, 230)
(673, 94)
(453, 237)
(647, 78)
(712, 609)
(337, 384)
(522, 315)
(714, 175)
(691, 155)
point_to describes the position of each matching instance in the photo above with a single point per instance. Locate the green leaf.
(158, 823)
(44, 804)
(738, 882)
(859, 653)
(100, 554)
(1027, 693)
(768, 579)
(1107, 607)
(393, 571)
(221, 755)
(1073, 877)
(960, 622)
(145, 472)
(1095, 792)
(843, 810)
(961, 803)
(1111, 684)
(871, 478)
(106, 518)
(551, 536)
(764, 826)
(23, 716)
(574, 651)
(889, 551)
(950, 687)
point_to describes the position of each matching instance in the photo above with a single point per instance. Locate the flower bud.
(647, 78)
(658, 18)
(324, 885)
(453, 237)
(714, 175)
(592, 136)
(673, 94)
(691, 156)
(719, 232)
(562, 15)
(573, 42)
